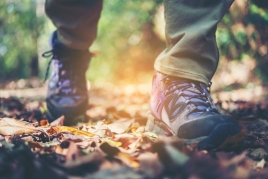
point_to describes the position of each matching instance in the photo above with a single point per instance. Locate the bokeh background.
(130, 36)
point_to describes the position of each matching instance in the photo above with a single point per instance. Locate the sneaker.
(67, 90)
(185, 109)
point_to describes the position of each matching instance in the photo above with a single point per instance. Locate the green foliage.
(126, 40)
(244, 30)
(20, 29)
(127, 43)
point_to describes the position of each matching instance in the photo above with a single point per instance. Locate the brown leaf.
(128, 160)
(2, 137)
(73, 152)
(120, 126)
(99, 129)
(112, 142)
(10, 126)
(44, 123)
(150, 164)
(35, 145)
(127, 140)
(58, 122)
(60, 150)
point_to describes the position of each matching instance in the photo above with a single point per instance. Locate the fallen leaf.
(34, 145)
(112, 142)
(260, 164)
(120, 126)
(115, 152)
(60, 150)
(108, 149)
(150, 164)
(44, 123)
(258, 154)
(72, 130)
(2, 137)
(73, 152)
(10, 126)
(128, 160)
(151, 135)
(127, 140)
(141, 129)
(58, 122)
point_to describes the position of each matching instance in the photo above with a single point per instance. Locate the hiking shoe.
(67, 91)
(184, 108)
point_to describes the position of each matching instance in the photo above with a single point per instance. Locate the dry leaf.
(72, 130)
(2, 137)
(73, 152)
(44, 123)
(112, 142)
(120, 126)
(34, 145)
(60, 150)
(151, 135)
(100, 130)
(261, 164)
(9, 126)
(127, 140)
(58, 122)
(128, 160)
(150, 164)
(141, 129)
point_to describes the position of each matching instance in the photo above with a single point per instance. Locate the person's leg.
(76, 23)
(180, 101)
(190, 37)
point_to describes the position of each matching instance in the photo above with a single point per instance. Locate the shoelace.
(48, 54)
(64, 84)
(201, 100)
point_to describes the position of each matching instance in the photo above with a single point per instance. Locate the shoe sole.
(69, 120)
(218, 138)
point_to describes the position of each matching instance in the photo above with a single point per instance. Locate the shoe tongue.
(183, 80)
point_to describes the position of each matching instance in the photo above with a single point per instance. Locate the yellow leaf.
(151, 135)
(112, 142)
(73, 131)
(10, 126)
(128, 160)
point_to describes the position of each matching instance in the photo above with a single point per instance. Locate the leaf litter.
(114, 143)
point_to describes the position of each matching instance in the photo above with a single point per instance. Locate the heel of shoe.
(157, 126)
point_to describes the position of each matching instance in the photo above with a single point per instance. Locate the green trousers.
(191, 50)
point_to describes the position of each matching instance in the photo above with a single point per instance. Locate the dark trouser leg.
(76, 21)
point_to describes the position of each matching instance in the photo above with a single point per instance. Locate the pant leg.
(191, 50)
(76, 21)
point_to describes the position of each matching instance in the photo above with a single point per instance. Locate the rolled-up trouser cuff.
(191, 49)
(180, 73)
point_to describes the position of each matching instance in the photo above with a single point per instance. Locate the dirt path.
(114, 144)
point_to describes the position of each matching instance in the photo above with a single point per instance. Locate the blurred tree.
(20, 29)
(126, 40)
(244, 32)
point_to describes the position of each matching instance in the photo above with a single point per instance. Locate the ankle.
(62, 50)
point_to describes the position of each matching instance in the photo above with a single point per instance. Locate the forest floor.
(113, 142)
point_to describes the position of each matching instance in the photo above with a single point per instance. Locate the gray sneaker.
(67, 91)
(184, 108)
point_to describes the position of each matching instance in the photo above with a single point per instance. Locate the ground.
(114, 143)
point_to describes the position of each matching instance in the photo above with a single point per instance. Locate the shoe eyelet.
(165, 93)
